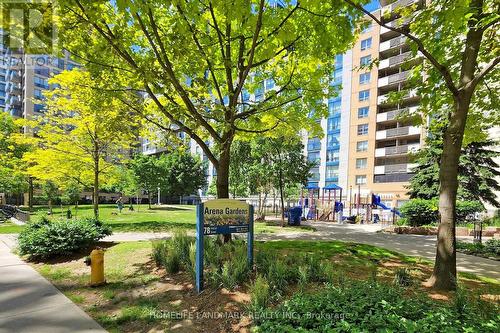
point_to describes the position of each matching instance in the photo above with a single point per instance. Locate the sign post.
(222, 216)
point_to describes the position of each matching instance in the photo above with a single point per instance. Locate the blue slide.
(376, 202)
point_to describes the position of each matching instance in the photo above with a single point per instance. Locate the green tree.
(149, 171)
(12, 176)
(50, 192)
(184, 173)
(241, 161)
(459, 42)
(477, 171)
(82, 133)
(72, 193)
(199, 62)
(289, 167)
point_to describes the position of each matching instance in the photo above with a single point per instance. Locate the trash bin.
(294, 215)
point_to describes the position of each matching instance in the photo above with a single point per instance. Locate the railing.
(396, 168)
(398, 131)
(398, 77)
(397, 41)
(394, 178)
(399, 58)
(396, 150)
(8, 211)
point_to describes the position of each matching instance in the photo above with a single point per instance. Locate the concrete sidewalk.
(30, 303)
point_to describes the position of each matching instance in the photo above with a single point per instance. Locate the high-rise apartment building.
(365, 148)
(27, 78)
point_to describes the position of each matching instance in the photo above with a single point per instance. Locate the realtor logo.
(29, 25)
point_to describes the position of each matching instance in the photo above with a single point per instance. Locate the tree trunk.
(149, 199)
(96, 181)
(282, 199)
(445, 267)
(222, 180)
(30, 194)
(50, 206)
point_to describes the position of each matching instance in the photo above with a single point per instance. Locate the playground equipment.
(376, 202)
(318, 203)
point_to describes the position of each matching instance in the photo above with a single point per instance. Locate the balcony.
(394, 178)
(398, 131)
(396, 5)
(394, 24)
(392, 43)
(396, 150)
(396, 60)
(393, 114)
(393, 168)
(314, 146)
(383, 99)
(393, 79)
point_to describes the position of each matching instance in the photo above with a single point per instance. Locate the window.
(363, 112)
(332, 171)
(313, 144)
(334, 107)
(38, 93)
(333, 124)
(332, 155)
(361, 163)
(39, 107)
(363, 129)
(332, 141)
(338, 60)
(245, 95)
(259, 93)
(364, 61)
(337, 75)
(314, 174)
(40, 82)
(364, 95)
(364, 78)
(361, 180)
(362, 146)
(313, 157)
(269, 84)
(366, 44)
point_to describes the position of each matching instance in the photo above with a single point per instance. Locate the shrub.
(303, 276)
(278, 278)
(466, 210)
(228, 264)
(403, 277)
(362, 306)
(175, 253)
(259, 293)
(181, 242)
(160, 252)
(490, 248)
(45, 238)
(418, 212)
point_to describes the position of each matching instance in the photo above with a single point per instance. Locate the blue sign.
(222, 216)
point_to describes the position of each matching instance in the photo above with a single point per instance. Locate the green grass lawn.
(142, 219)
(10, 228)
(136, 288)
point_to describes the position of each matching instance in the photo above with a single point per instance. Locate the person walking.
(119, 203)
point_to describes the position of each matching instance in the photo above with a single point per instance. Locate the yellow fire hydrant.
(96, 267)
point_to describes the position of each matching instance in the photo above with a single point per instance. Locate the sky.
(374, 4)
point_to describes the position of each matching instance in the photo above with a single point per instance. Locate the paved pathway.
(29, 303)
(414, 245)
